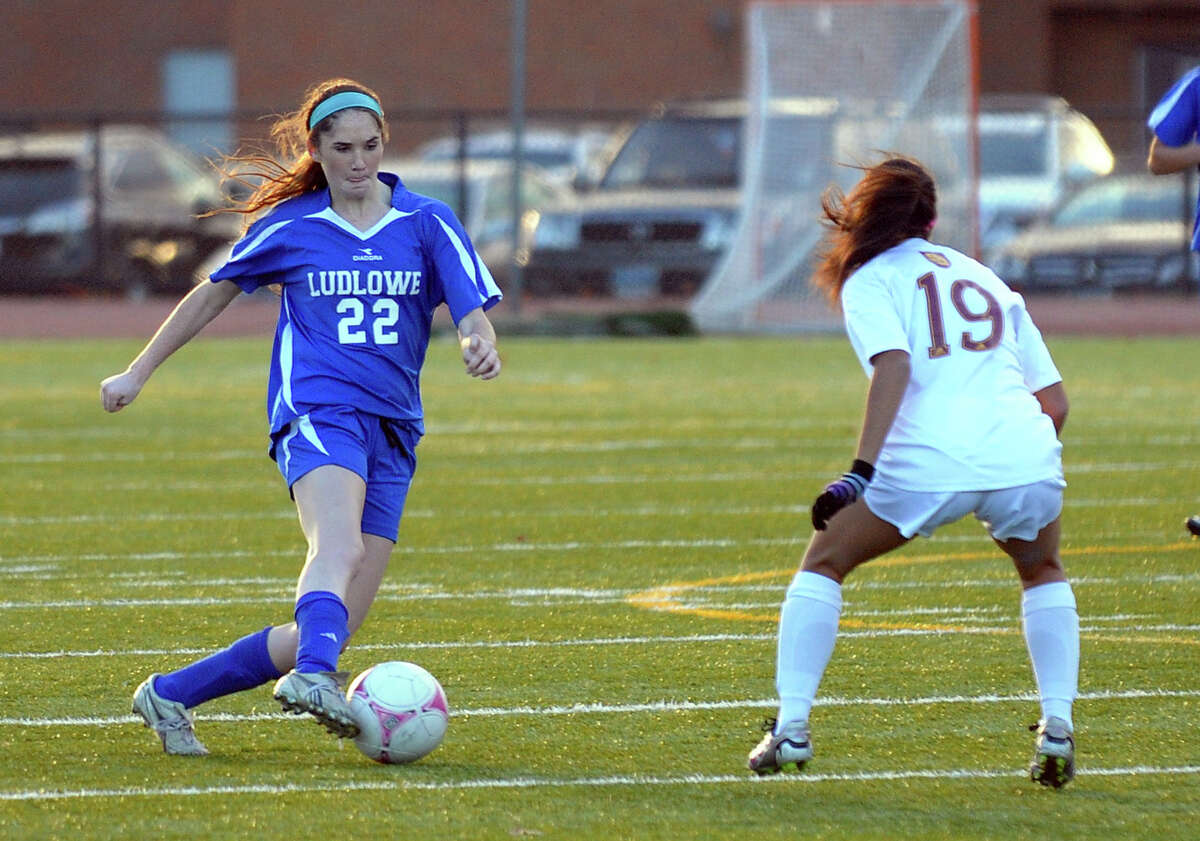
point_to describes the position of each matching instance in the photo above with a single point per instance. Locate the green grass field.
(591, 561)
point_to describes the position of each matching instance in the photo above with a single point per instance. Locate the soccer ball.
(401, 712)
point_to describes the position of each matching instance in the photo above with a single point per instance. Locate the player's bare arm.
(889, 381)
(1165, 159)
(1053, 400)
(477, 338)
(200, 306)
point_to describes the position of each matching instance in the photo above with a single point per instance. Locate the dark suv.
(659, 218)
(150, 238)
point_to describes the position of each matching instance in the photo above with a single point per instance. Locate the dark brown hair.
(894, 200)
(290, 171)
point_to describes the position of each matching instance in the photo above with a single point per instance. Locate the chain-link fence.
(122, 204)
(613, 217)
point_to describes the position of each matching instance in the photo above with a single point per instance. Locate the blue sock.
(321, 617)
(243, 665)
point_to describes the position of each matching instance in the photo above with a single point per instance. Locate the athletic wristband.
(863, 469)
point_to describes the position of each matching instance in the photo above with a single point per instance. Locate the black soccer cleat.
(1193, 524)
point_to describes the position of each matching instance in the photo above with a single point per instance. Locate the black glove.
(837, 495)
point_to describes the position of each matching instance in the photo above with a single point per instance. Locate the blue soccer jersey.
(357, 306)
(1175, 121)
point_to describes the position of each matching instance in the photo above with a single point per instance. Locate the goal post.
(831, 86)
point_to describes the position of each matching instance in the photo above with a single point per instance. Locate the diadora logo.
(367, 256)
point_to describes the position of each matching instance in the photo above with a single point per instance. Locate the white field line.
(418, 513)
(529, 547)
(49, 567)
(772, 474)
(651, 707)
(632, 780)
(471, 549)
(539, 447)
(466, 549)
(436, 429)
(757, 438)
(415, 646)
(112, 518)
(555, 595)
(277, 589)
(688, 639)
(6, 562)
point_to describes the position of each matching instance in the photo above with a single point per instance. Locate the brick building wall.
(107, 55)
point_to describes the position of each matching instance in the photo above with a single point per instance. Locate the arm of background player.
(1053, 400)
(889, 381)
(200, 306)
(477, 338)
(1166, 159)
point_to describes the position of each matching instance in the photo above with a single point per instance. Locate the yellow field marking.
(666, 598)
(1158, 640)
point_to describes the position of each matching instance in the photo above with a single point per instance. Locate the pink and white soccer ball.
(401, 712)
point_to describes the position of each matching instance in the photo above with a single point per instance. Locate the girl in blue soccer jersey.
(1175, 147)
(361, 264)
(962, 417)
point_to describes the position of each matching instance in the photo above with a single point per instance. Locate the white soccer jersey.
(969, 420)
(357, 306)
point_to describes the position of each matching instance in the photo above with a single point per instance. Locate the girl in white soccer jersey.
(361, 264)
(962, 417)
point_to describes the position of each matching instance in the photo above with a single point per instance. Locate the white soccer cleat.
(169, 719)
(1053, 753)
(319, 694)
(791, 746)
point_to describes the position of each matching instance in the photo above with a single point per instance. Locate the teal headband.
(340, 102)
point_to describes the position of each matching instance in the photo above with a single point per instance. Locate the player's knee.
(826, 561)
(344, 558)
(1040, 570)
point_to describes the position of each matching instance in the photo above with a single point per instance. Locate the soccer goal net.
(831, 86)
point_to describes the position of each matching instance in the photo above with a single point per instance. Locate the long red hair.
(290, 171)
(894, 200)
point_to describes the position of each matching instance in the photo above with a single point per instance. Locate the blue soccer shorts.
(380, 450)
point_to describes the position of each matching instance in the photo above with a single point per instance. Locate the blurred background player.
(962, 417)
(361, 264)
(1175, 122)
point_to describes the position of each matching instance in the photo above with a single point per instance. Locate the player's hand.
(480, 356)
(119, 390)
(837, 495)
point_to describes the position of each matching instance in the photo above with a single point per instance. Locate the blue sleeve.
(256, 258)
(1176, 118)
(466, 282)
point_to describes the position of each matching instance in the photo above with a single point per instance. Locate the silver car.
(481, 195)
(132, 223)
(1122, 232)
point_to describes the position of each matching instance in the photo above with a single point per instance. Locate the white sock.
(1051, 626)
(808, 627)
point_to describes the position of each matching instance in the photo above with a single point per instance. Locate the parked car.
(658, 219)
(487, 215)
(150, 194)
(566, 157)
(1122, 232)
(1033, 151)
(666, 207)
